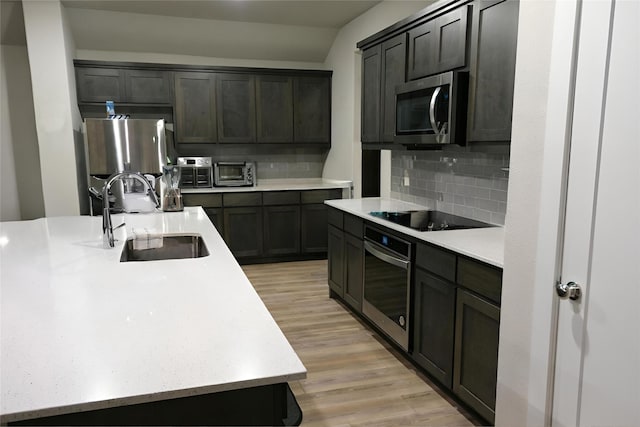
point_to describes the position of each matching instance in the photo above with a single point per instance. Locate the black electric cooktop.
(430, 220)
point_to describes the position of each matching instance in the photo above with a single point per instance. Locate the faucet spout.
(107, 225)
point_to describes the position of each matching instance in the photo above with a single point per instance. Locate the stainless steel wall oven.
(387, 281)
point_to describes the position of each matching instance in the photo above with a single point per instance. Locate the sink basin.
(173, 247)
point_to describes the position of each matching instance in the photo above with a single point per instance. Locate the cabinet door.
(438, 45)
(434, 309)
(335, 258)
(422, 47)
(353, 275)
(100, 85)
(476, 353)
(314, 226)
(312, 109)
(236, 103)
(451, 40)
(195, 108)
(216, 217)
(148, 86)
(274, 95)
(492, 70)
(394, 62)
(281, 230)
(370, 114)
(243, 231)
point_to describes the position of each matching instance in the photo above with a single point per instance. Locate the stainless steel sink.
(173, 247)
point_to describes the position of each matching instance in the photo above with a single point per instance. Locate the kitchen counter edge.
(483, 244)
(277, 185)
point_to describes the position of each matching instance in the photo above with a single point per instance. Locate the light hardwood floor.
(354, 378)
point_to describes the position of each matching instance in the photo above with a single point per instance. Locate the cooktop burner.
(430, 220)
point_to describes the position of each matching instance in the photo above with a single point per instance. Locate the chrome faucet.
(107, 227)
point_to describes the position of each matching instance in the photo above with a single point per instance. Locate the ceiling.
(291, 30)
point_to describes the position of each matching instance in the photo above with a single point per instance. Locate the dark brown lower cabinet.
(335, 258)
(476, 353)
(243, 231)
(281, 230)
(434, 323)
(353, 274)
(269, 226)
(216, 217)
(314, 226)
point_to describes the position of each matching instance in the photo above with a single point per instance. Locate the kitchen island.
(82, 331)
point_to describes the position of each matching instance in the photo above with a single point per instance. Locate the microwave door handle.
(385, 257)
(432, 110)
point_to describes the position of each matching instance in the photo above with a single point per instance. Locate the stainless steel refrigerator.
(119, 145)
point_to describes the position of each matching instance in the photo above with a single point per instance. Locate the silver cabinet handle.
(569, 290)
(386, 257)
(432, 110)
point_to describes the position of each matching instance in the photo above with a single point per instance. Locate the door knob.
(569, 290)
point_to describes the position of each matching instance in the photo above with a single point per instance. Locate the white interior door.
(597, 370)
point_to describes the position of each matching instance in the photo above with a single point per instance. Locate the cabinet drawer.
(204, 200)
(353, 225)
(319, 196)
(480, 278)
(436, 261)
(281, 198)
(335, 217)
(242, 199)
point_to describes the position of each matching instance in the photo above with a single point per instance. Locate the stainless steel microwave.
(234, 174)
(432, 111)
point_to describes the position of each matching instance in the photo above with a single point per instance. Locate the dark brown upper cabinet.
(370, 112)
(274, 114)
(236, 104)
(195, 108)
(383, 67)
(148, 86)
(312, 109)
(438, 45)
(215, 104)
(492, 70)
(100, 85)
(125, 86)
(394, 67)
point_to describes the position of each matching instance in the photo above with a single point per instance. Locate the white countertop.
(81, 330)
(483, 244)
(278, 185)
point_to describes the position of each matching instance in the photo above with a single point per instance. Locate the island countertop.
(81, 330)
(483, 244)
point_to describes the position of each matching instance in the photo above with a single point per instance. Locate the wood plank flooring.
(354, 378)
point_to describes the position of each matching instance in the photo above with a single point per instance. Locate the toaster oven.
(234, 174)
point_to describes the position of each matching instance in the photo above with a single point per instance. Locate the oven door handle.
(398, 262)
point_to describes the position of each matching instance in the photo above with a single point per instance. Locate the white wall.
(52, 77)
(541, 99)
(9, 204)
(343, 161)
(21, 186)
(134, 32)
